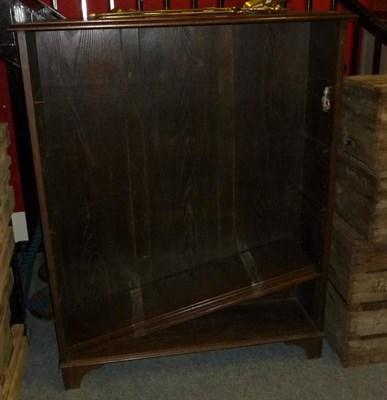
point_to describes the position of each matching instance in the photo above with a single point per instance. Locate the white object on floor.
(19, 224)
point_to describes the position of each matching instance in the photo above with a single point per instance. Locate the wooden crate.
(4, 140)
(357, 268)
(5, 342)
(4, 173)
(356, 309)
(5, 290)
(7, 205)
(7, 244)
(357, 332)
(361, 197)
(6, 283)
(12, 344)
(13, 375)
(364, 119)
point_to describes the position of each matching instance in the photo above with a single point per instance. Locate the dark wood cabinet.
(184, 169)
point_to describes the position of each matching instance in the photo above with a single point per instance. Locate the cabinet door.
(172, 169)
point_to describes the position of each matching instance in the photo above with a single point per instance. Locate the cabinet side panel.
(323, 75)
(324, 83)
(32, 89)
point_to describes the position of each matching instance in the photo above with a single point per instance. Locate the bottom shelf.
(190, 294)
(261, 322)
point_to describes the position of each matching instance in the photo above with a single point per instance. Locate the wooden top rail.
(174, 20)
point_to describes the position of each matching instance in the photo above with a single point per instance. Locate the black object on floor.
(40, 304)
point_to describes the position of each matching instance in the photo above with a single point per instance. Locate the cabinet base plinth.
(312, 346)
(263, 322)
(72, 376)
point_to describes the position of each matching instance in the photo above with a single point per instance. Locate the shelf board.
(262, 322)
(194, 293)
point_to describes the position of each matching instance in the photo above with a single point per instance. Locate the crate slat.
(6, 250)
(5, 291)
(358, 269)
(5, 343)
(364, 119)
(4, 140)
(361, 197)
(367, 351)
(359, 336)
(17, 377)
(18, 349)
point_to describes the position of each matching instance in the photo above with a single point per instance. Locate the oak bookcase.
(184, 166)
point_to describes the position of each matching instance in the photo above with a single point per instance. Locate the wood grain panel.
(269, 123)
(357, 267)
(364, 119)
(178, 137)
(360, 197)
(321, 131)
(368, 351)
(85, 164)
(357, 332)
(323, 68)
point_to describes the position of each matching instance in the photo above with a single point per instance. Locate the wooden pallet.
(357, 332)
(13, 345)
(5, 343)
(13, 374)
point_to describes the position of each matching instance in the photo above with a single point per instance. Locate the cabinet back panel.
(164, 149)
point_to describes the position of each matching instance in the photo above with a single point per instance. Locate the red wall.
(6, 116)
(71, 8)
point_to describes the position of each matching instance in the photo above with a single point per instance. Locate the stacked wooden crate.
(13, 343)
(356, 313)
